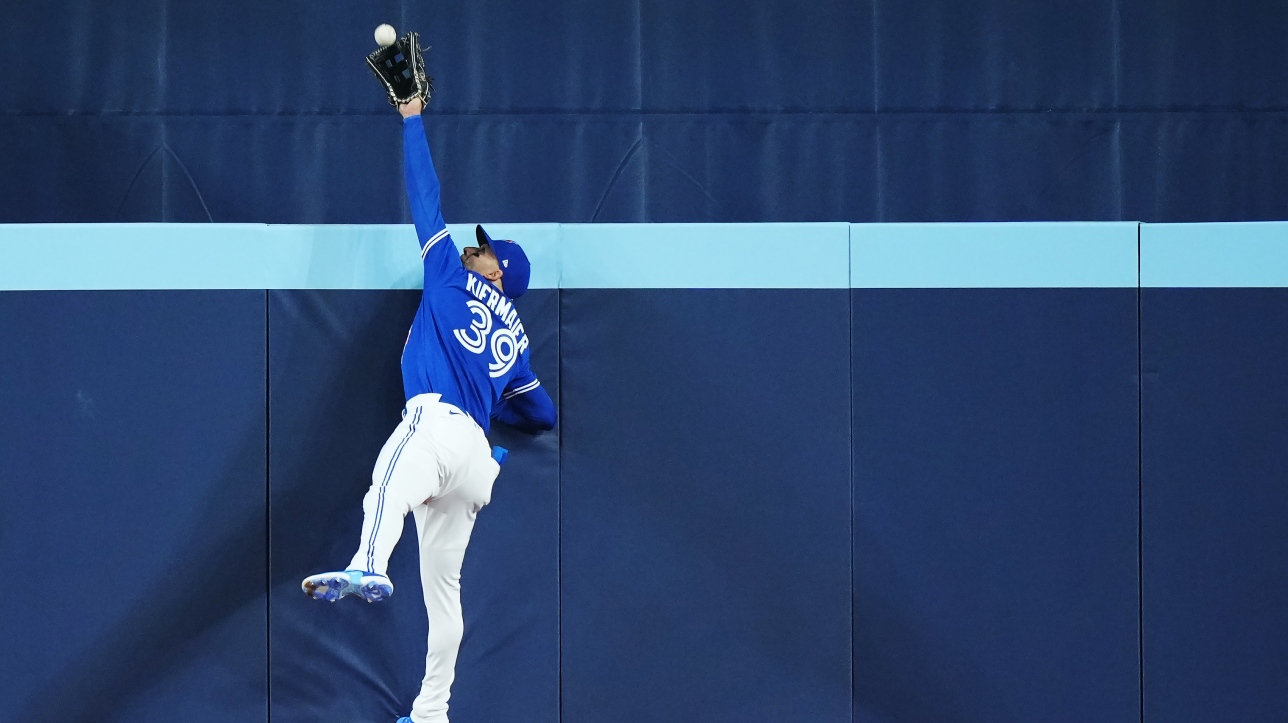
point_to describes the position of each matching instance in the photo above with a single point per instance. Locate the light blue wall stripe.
(342, 257)
(239, 256)
(778, 255)
(705, 256)
(135, 256)
(1214, 254)
(993, 255)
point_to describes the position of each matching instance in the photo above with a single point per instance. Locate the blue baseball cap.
(516, 271)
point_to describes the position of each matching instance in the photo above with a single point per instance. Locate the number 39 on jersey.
(506, 341)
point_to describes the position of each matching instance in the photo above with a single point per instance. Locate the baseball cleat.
(332, 586)
(403, 719)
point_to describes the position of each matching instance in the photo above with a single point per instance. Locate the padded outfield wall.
(814, 472)
(665, 110)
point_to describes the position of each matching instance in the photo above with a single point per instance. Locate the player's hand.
(411, 108)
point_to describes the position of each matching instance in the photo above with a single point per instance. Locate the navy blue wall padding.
(1215, 450)
(132, 510)
(1052, 161)
(335, 396)
(705, 568)
(995, 505)
(669, 110)
(1182, 166)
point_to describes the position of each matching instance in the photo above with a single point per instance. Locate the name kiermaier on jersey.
(500, 305)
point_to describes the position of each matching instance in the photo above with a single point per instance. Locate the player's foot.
(403, 719)
(332, 586)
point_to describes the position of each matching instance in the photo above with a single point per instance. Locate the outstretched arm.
(527, 408)
(436, 247)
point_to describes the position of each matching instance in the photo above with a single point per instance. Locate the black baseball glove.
(401, 68)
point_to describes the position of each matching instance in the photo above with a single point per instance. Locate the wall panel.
(132, 472)
(995, 483)
(705, 532)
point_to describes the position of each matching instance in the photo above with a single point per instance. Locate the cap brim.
(481, 236)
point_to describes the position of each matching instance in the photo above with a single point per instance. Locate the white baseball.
(385, 35)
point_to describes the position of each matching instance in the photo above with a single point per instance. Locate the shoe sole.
(333, 586)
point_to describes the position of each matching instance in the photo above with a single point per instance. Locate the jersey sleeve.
(525, 405)
(423, 193)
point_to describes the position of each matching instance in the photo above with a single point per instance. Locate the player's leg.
(406, 473)
(441, 582)
(445, 525)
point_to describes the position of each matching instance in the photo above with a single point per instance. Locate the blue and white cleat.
(332, 586)
(403, 719)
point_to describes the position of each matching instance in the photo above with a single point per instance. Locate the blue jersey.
(467, 342)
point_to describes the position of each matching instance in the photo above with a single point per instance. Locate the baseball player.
(465, 362)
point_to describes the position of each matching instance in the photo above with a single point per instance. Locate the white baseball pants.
(438, 465)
